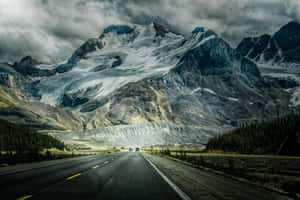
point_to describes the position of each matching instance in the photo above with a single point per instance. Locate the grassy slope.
(5, 99)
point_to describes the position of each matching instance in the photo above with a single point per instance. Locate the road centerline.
(25, 197)
(74, 176)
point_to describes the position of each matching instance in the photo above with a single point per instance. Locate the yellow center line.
(71, 177)
(25, 197)
(106, 162)
(95, 166)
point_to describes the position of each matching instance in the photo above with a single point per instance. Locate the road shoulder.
(203, 184)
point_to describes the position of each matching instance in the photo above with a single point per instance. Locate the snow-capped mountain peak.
(136, 74)
(280, 50)
(124, 54)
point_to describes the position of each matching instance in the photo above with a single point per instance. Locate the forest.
(278, 137)
(20, 144)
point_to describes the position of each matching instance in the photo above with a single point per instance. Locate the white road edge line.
(183, 195)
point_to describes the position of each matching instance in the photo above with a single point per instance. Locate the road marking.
(183, 195)
(106, 162)
(95, 167)
(25, 197)
(71, 177)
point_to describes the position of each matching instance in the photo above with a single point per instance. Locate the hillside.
(280, 137)
(17, 104)
(14, 138)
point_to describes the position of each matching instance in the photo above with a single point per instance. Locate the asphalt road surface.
(120, 176)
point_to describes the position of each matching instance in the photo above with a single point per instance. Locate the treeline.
(279, 137)
(17, 140)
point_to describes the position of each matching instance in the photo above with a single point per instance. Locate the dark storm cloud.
(48, 30)
(52, 29)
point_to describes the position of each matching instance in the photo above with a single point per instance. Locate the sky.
(51, 30)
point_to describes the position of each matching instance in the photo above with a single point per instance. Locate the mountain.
(277, 56)
(135, 82)
(17, 103)
(281, 48)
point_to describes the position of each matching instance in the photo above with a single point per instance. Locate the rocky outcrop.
(118, 29)
(28, 67)
(88, 47)
(160, 30)
(71, 100)
(81, 53)
(254, 47)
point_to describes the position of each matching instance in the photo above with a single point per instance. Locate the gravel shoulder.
(202, 184)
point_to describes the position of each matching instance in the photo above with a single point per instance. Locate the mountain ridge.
(281, 48)
(133, 74)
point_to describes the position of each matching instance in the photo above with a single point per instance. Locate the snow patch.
(209, 91)
(233, 99)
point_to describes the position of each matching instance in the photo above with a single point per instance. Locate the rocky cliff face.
(281, 48)
(147, 82)
(28, 67)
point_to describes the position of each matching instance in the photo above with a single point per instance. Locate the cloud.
(48, 30)
(293, 8)
(51, 30)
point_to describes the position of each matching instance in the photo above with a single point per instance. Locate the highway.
(121, 176)
(110, 176)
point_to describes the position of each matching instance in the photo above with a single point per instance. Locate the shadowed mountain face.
(137, 76)
(281, 48)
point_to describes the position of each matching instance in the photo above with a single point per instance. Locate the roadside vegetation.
(18, 144)
(21, 145)
(264, 153)
(279, 137)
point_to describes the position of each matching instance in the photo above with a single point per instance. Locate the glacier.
(144, 134)
(141, 52)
